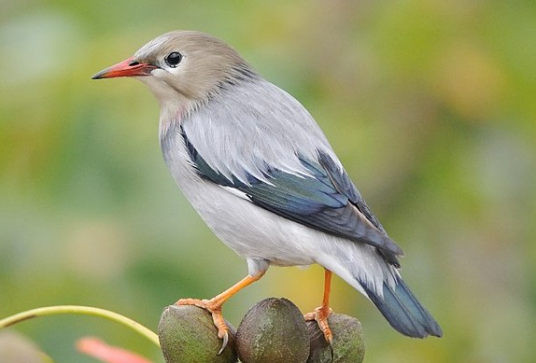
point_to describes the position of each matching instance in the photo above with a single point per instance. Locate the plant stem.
(80, 310)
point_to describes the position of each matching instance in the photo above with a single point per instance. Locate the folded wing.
(324, 198)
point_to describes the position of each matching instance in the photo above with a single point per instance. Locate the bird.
(259, 171)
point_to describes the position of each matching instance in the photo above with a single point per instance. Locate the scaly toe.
(195, 302)
(321, 315)
(223, 329)
(215, 310)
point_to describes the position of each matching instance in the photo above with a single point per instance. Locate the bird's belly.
(249, 230)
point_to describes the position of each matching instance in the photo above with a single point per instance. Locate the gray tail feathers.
(403, 311)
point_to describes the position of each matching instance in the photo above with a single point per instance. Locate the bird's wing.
(324, 199)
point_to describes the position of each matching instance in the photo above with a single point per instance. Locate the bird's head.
(183, 65)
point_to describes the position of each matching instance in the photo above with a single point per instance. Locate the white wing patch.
(236, 192)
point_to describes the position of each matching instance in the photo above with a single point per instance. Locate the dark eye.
(173, 59)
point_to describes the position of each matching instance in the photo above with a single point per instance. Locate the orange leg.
(214, 306)
(321, 313)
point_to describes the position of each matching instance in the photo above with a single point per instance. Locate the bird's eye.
(173, 59)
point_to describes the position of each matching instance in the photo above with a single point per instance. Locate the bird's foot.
(320, 315)
(214, 308)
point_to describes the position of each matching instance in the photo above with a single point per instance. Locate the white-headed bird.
(259, 171)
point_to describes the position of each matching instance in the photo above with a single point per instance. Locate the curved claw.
(223, 329)
(224, 343)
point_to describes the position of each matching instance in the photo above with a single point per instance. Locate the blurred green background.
(431, 106)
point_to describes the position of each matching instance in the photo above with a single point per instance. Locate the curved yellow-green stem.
(82, 310)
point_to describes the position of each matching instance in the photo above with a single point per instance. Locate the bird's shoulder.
(251, 127)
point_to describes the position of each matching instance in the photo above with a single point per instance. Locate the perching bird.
(259, 171)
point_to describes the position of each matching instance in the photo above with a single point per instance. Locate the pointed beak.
(127, 68)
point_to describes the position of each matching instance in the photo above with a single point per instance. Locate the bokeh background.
(430, 105)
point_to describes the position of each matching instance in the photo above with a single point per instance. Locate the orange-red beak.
(127, 68)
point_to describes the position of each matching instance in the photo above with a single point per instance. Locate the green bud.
(273, 331)
(188, 334)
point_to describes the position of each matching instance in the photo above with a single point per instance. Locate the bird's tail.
(403, 311)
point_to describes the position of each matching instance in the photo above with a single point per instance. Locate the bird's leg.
(213, 306)
(322, 312)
